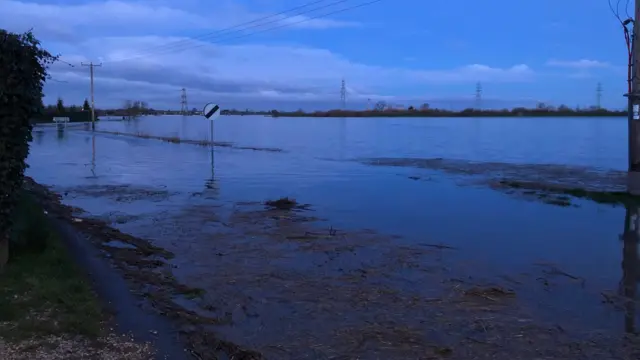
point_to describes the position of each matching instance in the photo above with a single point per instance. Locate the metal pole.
(212, 145)
(93, 103)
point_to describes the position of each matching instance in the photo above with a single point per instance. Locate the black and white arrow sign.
(211, 111)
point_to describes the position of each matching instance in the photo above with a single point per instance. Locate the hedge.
(23, 71)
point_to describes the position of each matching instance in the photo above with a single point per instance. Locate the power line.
(168, 50)
(64, 62)
(599, 96)
(217, 32)
(171, 46)
(616, 10)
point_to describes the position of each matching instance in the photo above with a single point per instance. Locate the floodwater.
(374, 240)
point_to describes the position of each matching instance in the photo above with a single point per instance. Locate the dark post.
(634, 109)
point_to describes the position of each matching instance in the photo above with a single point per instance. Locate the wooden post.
(91, 65)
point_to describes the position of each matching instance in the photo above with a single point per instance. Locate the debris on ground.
(283, 203)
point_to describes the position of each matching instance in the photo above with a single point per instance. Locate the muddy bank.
(177, 140)
(146, 269)
(554, 184)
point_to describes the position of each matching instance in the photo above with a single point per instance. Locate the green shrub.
(23, 71)
(30, 231)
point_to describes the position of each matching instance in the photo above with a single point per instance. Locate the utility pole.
(599, 96)
(91, 65)
(633, 184)
(478, 96)
(184, 109)
(343, 95)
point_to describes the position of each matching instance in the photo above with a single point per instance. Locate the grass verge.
(47, 305)
(42, 292)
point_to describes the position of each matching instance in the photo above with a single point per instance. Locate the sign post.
(61, 122)
(211, 111)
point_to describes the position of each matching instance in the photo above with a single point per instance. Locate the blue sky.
(402, 52)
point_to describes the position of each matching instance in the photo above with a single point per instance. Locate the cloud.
(581, 69)
(255, 70)
(247, 75)
(145, 17)
(582, 64)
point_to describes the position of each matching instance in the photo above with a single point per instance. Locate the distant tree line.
(75, 113)
(132, 109)
(59, 107)
(382, 109)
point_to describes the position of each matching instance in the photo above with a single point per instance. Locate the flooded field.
(408, 242)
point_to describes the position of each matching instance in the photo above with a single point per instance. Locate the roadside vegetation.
(41, 291)
(47, 307)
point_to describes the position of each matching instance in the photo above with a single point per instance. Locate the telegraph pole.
(91, 65)
(633, 184)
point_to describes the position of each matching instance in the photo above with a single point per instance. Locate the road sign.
(211, 111)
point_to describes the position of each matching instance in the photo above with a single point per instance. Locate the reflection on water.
(38, 135)
(210, 185)
(93, 156)
(184, 125)
(497, 234)
(342, 136)
(132, 125)
(630, 267)
(572, 141)
(61, 128)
